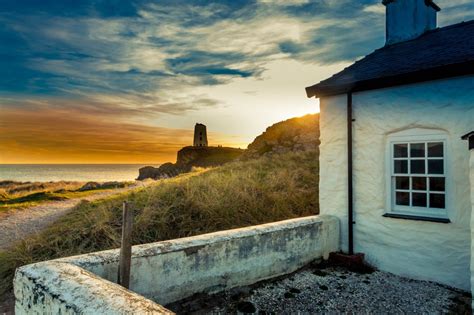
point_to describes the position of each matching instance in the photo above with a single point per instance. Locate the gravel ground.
(333, 290)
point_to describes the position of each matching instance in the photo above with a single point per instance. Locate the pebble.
(375, 293)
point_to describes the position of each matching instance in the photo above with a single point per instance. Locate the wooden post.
(126, 247)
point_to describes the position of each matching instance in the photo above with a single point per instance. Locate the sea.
(69, 172)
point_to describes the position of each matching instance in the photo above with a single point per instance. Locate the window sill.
(416, 217)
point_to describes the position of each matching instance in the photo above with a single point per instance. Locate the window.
(418, 175)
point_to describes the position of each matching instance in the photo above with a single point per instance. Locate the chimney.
(408, 19)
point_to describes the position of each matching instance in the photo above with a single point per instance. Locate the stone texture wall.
(200, 136)
(333, 161)
(172, 270)
(422, 250)
(472, 224)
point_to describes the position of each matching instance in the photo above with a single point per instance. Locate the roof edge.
(424, 75)
(433, 5)
(468, 135)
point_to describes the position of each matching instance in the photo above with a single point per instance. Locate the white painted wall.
(472, 226)
(421, 250)
(172, 270)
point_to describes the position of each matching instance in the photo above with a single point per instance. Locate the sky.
(113, 81)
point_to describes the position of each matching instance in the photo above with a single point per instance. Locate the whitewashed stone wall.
(472, 226)
(168, 271)
(421, 250)
(333, 161)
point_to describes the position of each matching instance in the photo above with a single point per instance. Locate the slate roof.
(440, 53)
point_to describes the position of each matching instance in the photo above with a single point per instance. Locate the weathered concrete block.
(172, 270)
(61, 288)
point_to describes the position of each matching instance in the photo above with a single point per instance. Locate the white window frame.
(416, 135)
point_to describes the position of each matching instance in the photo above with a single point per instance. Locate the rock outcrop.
(106, 185)
(189, 157)
(295, 134)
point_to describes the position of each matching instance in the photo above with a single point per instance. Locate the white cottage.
(393, 165)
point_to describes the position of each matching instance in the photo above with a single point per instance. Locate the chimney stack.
(408, 19)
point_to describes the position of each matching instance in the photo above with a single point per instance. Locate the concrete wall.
(172, 270)
(61, 288)
(423, 250)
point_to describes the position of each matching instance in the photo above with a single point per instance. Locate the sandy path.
(31, 220)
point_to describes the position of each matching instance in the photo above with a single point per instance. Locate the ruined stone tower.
(200, 135)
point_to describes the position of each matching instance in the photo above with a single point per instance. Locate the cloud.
(285, 2)
(139, 62)
(375, 8)
(141, 46)
(122, 108)
(50, 133)
(97, 48)
(71, 8)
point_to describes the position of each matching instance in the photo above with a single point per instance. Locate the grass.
(17, 195)
(237, 194)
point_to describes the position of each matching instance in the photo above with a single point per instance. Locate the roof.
(433, 5)
(468, 135)
(440, 53)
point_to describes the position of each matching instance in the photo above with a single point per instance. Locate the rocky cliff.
(295, 134)
(189, 157)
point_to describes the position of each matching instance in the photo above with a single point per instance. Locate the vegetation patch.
(17, 195)
(237, 194)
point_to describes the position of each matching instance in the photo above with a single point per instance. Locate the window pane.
(419, 199)
(418, 183)
(437, 201)
(402, 182)
(401, 166)
(417, 149)
(437, 184)
(400, 150)
(435, 149)
(417, 166)
(435, 167)
(403, 198)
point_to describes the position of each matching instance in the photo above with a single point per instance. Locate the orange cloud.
(56, 135)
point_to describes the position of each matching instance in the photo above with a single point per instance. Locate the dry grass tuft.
(17, 195)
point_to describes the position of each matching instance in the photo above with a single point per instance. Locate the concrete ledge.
(172, 270)
(61, 288)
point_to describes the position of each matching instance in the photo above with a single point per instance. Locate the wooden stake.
(126, 248)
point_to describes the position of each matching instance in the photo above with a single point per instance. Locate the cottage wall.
(472, 225)
(417, 249)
